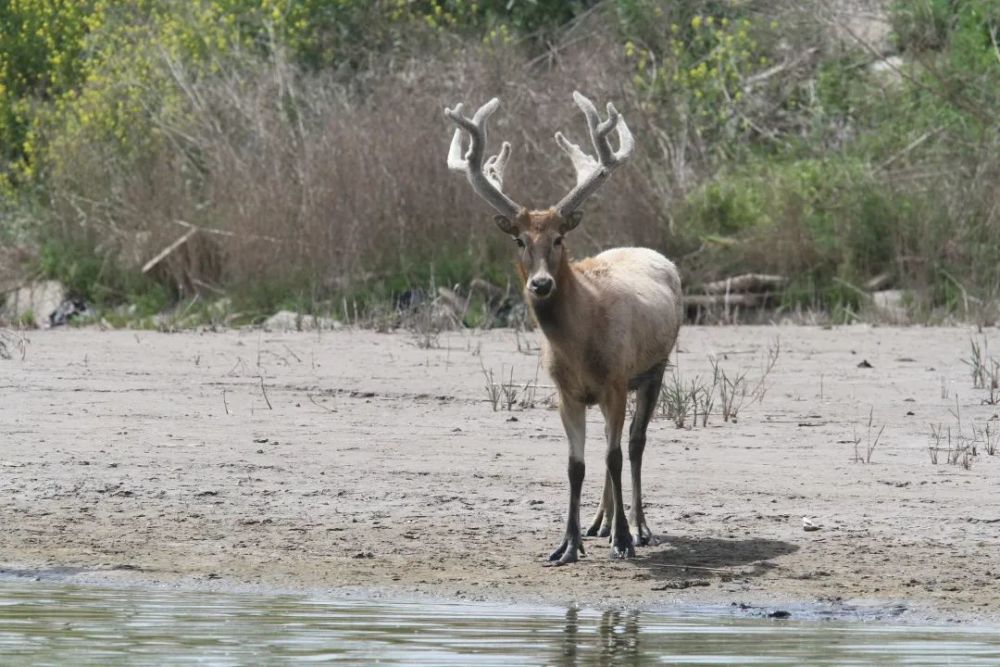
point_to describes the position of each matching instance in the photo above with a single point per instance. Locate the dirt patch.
(361, 460)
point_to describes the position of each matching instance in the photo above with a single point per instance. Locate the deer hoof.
(643, 536)
(622, 547)
(567, 552)
(599, 531)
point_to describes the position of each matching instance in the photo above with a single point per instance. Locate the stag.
(609, 321)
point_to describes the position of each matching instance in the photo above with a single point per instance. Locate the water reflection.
(619, 635)
(50, 623)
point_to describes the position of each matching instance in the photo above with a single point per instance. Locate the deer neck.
(556, 314)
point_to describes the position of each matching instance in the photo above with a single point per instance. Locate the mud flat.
(366, 462)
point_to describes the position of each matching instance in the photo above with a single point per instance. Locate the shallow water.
(46, 623)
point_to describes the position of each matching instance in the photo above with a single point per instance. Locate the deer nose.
(541, 286)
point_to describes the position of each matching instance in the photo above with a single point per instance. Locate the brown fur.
(580, 319)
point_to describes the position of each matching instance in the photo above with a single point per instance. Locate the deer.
(609, 322)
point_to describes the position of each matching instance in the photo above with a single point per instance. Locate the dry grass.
(690, 403)
(306, 185)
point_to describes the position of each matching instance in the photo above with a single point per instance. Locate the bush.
(305, 142)
(810, 219)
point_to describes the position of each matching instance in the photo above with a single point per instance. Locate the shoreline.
(880, 612)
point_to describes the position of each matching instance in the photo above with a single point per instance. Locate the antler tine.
(495, 165)
(486, 177)
(590, 173)
(583, 164)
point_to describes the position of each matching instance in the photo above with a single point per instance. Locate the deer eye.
(520, 243)
(558, 241)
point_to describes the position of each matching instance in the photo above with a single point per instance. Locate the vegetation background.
(832, 142)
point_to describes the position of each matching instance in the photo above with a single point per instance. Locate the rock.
(33, 304)
(889, 70)
(287, 320)
(67, 311)
(890, 304)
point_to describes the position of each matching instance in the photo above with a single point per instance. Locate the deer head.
(539, 234)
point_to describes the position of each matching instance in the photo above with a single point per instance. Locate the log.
(726, 300)
(750, 282)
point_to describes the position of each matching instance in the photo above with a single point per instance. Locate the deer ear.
(571, 221)
(506, 226)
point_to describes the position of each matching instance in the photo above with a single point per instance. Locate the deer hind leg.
(574, 418)
(601, 525)
(647, 394)
(613, 407)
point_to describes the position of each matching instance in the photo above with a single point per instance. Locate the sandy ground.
(379, 466)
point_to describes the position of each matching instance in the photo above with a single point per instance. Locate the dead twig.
(263, 390)
(318, 404)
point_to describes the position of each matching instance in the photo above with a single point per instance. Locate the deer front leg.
(601, 525)
(613, 407)
(574, 418)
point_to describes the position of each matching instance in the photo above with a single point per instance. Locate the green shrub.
(811, 220)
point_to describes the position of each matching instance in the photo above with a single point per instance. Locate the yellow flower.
(696, 22)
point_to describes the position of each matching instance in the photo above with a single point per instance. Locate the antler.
(486, 179)
(590, 173)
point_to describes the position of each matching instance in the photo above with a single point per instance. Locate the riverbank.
(353, 460)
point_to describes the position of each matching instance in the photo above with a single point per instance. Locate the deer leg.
(646, 396)
(601, 525)
(574, 418)
(613, 407)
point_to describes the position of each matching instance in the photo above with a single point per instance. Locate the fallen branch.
(754, 79)
(163, 254)
(223, 232)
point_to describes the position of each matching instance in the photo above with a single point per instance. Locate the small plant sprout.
(675, 401)
(959, 448)
(936, 437)
(870, 443)
(492, 389)
(733, 391)
(991, 438)
(985, 370)
(509, 391)
(977, 363)
(992, 382)
(767, 365)
(707, 397)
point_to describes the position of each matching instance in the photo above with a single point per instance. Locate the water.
(46, 623)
